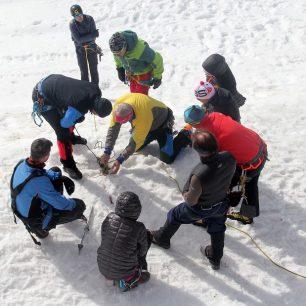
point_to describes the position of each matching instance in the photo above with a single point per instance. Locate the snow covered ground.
(264, 43)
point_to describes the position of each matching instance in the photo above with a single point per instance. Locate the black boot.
(78, 140)
(214, 252)
(40, 233)
(73, 172)
(162, 236)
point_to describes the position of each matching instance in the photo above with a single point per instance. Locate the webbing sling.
(16, 191)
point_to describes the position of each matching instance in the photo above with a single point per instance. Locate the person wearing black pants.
(250, 204)
(84, 33)
(205, 195)
(63, 102)
(37, 193)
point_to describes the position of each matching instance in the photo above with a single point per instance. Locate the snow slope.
(264, 43)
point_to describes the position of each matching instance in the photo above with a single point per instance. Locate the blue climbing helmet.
(194, 114)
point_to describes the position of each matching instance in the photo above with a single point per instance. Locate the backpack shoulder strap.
(15, 191)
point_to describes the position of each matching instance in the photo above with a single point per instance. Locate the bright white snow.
(264, 43)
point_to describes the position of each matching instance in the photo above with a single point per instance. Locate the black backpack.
(16, 191)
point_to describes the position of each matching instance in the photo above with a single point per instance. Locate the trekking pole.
(86, 230)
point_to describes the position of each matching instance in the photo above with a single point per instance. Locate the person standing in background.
(84, 33)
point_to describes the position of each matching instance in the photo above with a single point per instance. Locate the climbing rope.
(99, 145)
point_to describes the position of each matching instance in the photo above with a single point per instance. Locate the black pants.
(63, 135)
(214, 216)
(250, 205)
(169, 147)
(88, 58)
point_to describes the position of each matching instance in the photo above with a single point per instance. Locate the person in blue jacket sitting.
(37, 194)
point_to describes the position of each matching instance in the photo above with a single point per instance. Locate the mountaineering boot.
(214, 252)
(126, 285)
(215, 264)
(78, 140)
(40, 233)
(73, 172)
(162, 236)
(236, 215)
(144, 277)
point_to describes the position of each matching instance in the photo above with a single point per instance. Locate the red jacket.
(244, 144)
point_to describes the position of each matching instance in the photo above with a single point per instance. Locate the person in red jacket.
(248, 149)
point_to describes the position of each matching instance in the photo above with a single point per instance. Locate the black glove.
(69, 184)
(121, 74)
(96, 33)
(80, 205)
(81, 119)
(156, 83)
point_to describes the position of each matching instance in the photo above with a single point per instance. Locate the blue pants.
(215, 217)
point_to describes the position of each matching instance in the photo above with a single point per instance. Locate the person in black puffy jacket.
(125, 243)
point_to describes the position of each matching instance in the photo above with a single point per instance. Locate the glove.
(69, 184)
(81, 119)
(99, 50)
(156, 83)
(121, 74)
(96, 33)
(80, 205)
(53, 175)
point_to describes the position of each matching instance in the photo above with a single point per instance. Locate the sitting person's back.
(122, 253)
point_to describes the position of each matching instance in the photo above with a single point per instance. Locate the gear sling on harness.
(16, 191)
(38, 106)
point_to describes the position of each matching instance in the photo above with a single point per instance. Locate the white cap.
(204, 91)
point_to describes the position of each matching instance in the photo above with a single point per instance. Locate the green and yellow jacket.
(139, 57)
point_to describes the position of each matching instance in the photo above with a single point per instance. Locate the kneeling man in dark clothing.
(205, 195)
(37, 194)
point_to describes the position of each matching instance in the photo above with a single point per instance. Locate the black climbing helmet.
(117, 42)
(102, 107)
(128, 205)
(76, 10)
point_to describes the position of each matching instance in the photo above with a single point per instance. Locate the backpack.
(16, 191)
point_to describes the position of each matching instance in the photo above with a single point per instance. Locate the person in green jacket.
(136, 62)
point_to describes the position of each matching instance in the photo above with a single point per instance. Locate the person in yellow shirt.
(150, 120)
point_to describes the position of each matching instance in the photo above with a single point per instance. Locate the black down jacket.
(124, 239)
(223, 102)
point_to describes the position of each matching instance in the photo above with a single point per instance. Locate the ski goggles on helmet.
(120, 52)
